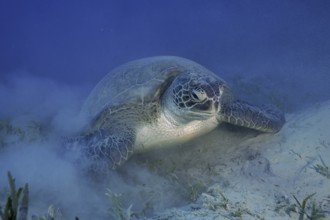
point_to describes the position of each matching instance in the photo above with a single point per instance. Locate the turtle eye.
(198, 94)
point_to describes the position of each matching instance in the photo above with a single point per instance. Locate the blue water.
(286, 42)
(53, 52)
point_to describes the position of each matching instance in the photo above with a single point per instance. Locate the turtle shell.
(139, 81)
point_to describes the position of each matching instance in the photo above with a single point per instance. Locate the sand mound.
(257, 177)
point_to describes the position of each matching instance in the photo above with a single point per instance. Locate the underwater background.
(281, 46)
(52, 53)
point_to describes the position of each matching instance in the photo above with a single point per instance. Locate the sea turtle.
(158, 101)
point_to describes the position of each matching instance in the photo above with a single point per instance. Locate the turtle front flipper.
(102, 150)
(265, 118)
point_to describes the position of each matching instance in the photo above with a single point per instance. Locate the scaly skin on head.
(195, 97)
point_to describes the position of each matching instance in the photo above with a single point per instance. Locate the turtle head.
(195, 96)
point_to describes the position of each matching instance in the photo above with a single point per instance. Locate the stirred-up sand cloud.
(23, 95)
(36, 114)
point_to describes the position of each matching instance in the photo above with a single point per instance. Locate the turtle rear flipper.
(266, 118)
(101, 149)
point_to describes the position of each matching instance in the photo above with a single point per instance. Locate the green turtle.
(160, 101)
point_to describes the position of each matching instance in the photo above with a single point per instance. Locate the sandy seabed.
(231, 173)
(249, 175)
